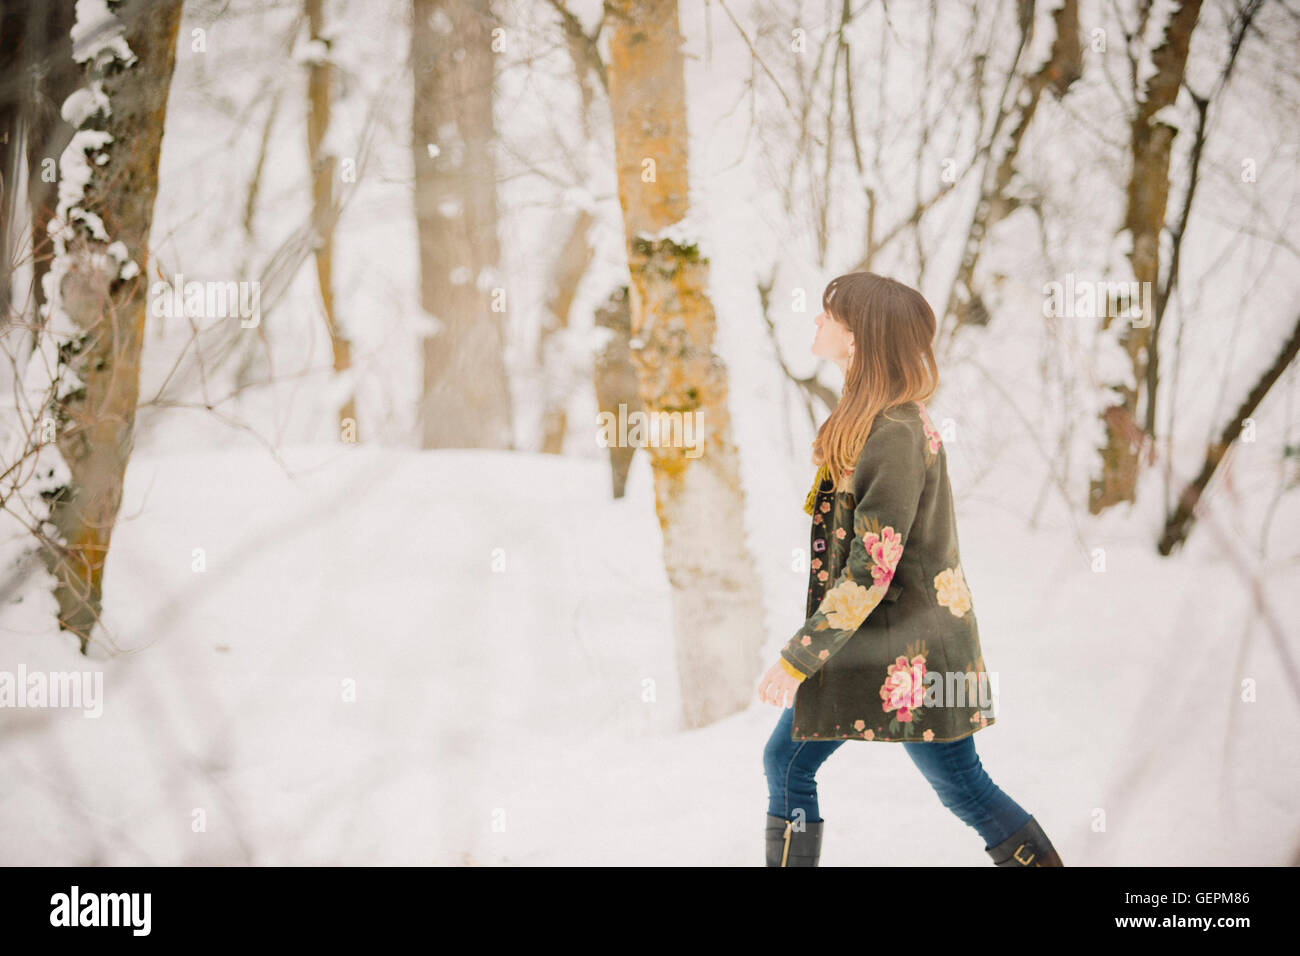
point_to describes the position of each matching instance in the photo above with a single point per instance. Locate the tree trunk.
(717, 603)
(14, 102)
(466, 396)
(98, 285)
(320, 80)
(995, 203)
(555, 359)
(1144, 219)
(615, 379)
(556, 364)
(1178, 525)
(38, 73)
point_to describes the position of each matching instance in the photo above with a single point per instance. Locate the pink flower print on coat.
(931, 432)
(904, 687)
(885, 550)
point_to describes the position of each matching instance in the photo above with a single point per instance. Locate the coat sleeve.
(887, 482)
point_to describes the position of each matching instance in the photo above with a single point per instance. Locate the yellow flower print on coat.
(848, 604)
(952, 591)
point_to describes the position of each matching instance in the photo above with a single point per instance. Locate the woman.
(890, 650)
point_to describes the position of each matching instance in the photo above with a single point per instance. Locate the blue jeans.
(952, 767)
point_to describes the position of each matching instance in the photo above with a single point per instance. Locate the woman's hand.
(777, 687)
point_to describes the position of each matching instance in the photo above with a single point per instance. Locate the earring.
(850, 351)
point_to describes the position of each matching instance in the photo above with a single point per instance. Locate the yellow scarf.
(810, 502)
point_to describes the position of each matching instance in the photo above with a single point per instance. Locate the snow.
(576, 197)
(340, 387)
(687, 231)
(482, 691)
(1170, 115)
(119, 252)
(98, 39)
(98, 36)
(427, 325)
(1114, 367)
(488, 279)
(1154, 34)
(440, 22)
(84, 103)
(312, 52)
(75, 174)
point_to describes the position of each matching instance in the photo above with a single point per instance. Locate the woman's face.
(832, 340)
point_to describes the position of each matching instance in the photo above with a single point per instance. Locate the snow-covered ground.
(443, 657)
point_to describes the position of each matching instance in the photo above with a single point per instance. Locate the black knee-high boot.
(1028, 846)
(788, 846)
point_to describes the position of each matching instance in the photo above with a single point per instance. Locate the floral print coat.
(890, 650)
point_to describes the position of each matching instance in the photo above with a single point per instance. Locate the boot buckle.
(1016, 855)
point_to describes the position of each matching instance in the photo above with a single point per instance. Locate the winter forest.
(406, 411)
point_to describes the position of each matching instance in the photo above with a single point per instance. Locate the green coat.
(890, 649)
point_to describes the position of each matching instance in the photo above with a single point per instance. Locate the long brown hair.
(893, 362)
